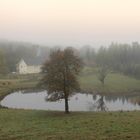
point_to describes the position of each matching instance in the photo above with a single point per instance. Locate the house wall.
(23, 68)
(33, 69)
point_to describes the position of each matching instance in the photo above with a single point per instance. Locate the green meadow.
(50, 125)
(115, 83)
(44, 125)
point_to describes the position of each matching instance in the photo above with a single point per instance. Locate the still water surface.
(78, 102)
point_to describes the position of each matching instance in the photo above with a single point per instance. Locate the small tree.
(102, 73)
(61, 72)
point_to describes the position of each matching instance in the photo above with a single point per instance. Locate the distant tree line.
(3, 67)
(12, 52)
(123, 58)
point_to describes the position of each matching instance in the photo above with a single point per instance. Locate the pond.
(78, 102)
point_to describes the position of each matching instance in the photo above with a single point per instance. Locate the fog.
(74, 22)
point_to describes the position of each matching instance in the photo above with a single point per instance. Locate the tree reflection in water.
(135, 100)
(99, 105)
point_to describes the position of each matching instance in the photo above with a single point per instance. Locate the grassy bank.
(41, 125)
(115, 83)
(13, 83)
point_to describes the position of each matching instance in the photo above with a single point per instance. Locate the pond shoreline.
(16, 89)
(32, 85)
(116, 84)
(32, 99)
(9, 91)
(132, 93)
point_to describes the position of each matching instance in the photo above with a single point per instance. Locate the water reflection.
(98, 105)
(135, 100)
(78, 102)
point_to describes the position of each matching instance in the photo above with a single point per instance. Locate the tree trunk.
(66, 105)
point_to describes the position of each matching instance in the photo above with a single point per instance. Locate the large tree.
(61, 72)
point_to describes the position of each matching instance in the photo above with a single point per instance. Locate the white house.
(23, 68)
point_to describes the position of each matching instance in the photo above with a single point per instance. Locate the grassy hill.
(115, 83)
(41, 125)
(12, 83)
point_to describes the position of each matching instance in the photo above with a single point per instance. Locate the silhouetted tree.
(61, 72)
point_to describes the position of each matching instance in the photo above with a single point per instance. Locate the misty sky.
(70, 22)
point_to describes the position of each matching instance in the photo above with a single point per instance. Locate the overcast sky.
(70, 22)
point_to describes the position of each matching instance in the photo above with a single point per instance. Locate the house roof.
(34, 61)
(21, 60)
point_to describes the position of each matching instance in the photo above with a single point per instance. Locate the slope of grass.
(41, 125)
(115, 83)
(17, 82)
